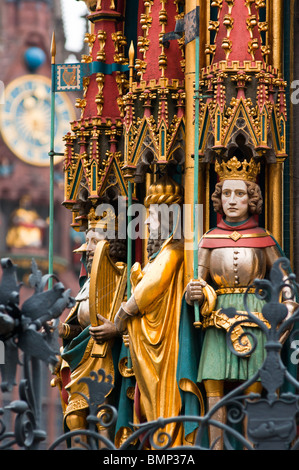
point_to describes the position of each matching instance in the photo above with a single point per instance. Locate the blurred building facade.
(26, 27)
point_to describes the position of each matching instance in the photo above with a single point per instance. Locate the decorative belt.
(218, 319)
(235, 290)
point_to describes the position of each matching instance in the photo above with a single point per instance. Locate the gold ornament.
(104, 222)
(233, 169)
(164, 191)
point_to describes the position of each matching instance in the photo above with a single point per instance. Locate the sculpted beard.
(89, 259)
(153, 245)
(117, 251)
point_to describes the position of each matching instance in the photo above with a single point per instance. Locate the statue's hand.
(60, 329)
(103, 332)
(194, 292)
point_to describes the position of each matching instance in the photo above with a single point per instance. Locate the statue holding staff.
(230, 257)
(153, 317)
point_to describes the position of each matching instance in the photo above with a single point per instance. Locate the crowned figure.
(230, 257)
(80, 335)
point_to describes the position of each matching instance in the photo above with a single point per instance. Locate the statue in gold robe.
(152, 315)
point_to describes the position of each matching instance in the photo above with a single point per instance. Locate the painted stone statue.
(27, 227)
(79, 337)
(230, 257)
(152, 316)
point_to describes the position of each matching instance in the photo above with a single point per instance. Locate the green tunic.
(217, 361)
(231, 257)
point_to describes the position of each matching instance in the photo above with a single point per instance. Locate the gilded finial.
(53, 48)
(131, 64)
(131, 53)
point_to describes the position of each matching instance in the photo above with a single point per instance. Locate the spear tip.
(131, 53)
(53, 47)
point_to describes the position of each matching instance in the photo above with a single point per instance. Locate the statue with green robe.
(230, 257)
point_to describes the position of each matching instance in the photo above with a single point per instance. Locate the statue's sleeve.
(203, 263)
(289, 296)
(272, 254)
(210, 296)
(157, 279)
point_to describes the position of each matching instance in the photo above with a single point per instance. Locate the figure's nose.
(232, 199)
(89, 247)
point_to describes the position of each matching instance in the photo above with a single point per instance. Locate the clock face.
(25, 119)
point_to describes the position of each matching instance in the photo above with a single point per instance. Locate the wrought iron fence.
(270, 418)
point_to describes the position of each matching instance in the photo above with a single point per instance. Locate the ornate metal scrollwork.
(270, 418)
(26, 329)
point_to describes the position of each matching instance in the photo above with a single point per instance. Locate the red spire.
(155, 59)
(106, 44)
(238, 37)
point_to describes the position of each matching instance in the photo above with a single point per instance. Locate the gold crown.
(164, 191)
(105, 221)
(233, 169)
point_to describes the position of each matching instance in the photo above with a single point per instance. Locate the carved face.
(92, 239)
(160, 226)
(152, 221)
(153, 226)
(234, 199)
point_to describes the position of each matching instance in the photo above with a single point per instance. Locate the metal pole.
(51, 156)
(130, 189)
(196, 168)
(129, 241)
